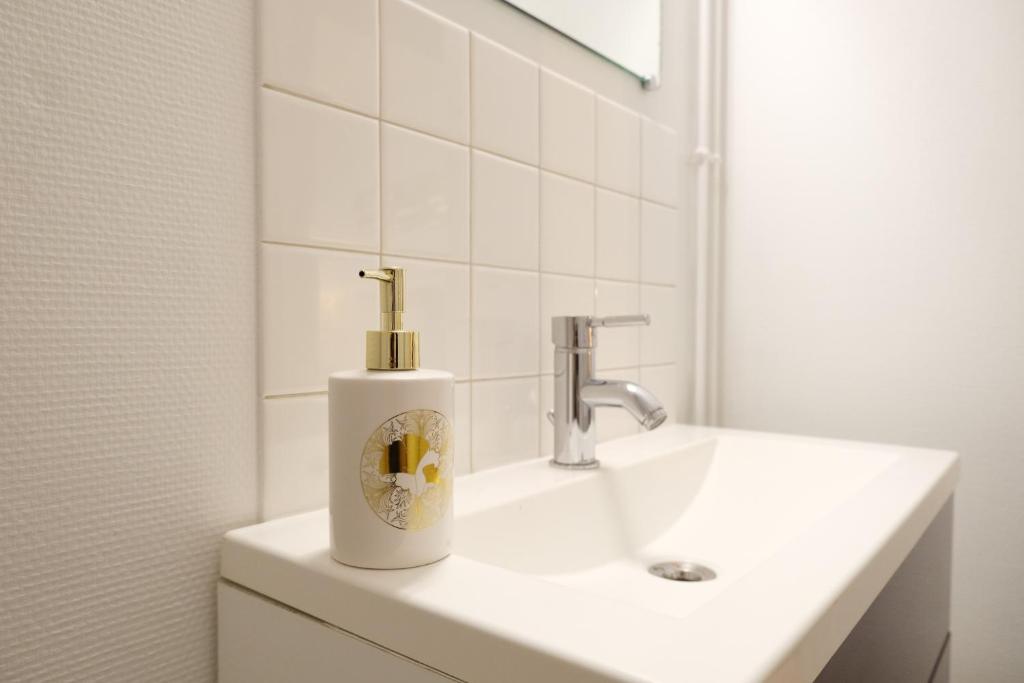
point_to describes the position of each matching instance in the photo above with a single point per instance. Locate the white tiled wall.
(509, 193)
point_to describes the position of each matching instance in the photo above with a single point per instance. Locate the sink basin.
(728, 502)
(549, 577)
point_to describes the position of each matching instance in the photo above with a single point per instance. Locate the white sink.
(548, 579)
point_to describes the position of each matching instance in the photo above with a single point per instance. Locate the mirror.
(625, 32)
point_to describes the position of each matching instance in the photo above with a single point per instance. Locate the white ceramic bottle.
(391, 447)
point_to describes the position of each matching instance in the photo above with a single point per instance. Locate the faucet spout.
(638, 401)
(577, 393)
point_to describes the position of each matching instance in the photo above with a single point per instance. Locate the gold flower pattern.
(406, 469)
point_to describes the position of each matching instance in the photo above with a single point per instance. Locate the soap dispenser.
(391, 447)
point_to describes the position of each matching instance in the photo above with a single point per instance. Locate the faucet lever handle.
(621, 320)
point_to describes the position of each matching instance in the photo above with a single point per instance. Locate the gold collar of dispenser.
(391, 347)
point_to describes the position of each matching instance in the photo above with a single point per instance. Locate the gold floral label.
(406, 469)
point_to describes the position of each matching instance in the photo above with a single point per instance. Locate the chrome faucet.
(578, 392)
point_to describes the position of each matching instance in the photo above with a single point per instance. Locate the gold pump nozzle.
(391, 347)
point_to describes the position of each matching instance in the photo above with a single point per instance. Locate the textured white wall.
(874, 244)
(127, 420)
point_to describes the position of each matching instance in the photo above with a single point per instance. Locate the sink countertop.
(804, 533)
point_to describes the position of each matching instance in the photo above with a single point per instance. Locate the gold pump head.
(391, 347)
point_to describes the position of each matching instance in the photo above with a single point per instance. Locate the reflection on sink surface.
(548, 576)
(726, 502)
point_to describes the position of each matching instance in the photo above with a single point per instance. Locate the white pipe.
(701, 158)
(715, 222)
(707, 159)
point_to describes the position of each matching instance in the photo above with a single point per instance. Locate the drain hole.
(682, 571)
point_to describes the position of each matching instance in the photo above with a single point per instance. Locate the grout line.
(323, 392)
(380, 138)
(640, 190)
(324, 103)
(512, 160)
(472, 230)
(616, 368)
(297, 394)
(540, 255)
(321, 247)
(656, 202)
(620, 193)
(501, 378)
(593, 218)
(482, 380)
(437, 259)
(260, 351)
(425, 133)
(640, 271)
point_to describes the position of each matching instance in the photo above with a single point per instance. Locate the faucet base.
(587, 465)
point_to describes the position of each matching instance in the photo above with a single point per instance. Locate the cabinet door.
(261, 641)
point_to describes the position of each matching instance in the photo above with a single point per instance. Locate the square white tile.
(323, 49)
(664, 382)
(319, 177)
(424, 71)
(505, 421)
(659, 342)
(566, 225)
(315, 310)
(566, 126)
(425, 186)
(617, 347)
(617, 236)
(561, 295)
(437, 306)
(659, 163)
(505, 101)
(506, 220)
(295, 455)
(463, 428)
(618, 147)
(505, 313)
(613, 423)
(659, 244)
